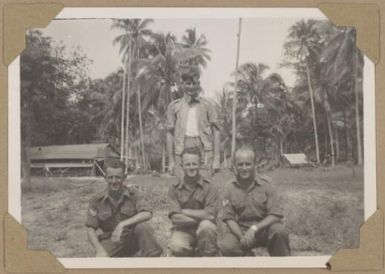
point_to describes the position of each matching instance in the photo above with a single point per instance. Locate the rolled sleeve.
(142, 204)
(273, 206)
(212, 201)
(228, 212)
(92, 216)
(173, 203)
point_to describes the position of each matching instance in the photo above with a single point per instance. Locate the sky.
(261, 42)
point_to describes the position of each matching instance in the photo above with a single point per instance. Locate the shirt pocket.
(259, 203)
(104, 214)
(238, 204)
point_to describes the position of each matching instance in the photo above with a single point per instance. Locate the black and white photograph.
(241, 135)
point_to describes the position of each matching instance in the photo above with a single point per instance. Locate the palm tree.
(132, 43)
(190, 40)
(250, 78)
(342, 68)
(257, 92)
(307, 37)
(159, 75)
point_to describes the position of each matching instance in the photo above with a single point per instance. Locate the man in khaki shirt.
(252, 212)
(193, 204)
(121, 216)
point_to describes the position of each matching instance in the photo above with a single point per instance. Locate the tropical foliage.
(320, 115)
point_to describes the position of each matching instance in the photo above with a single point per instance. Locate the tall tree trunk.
(122, 118)
(331, 139)
(358, 126)
(313, 113)
(164, 158)
(128, 103)
(338, 153)
(346, 133)
(224, 158)
(233, 143)
(141, 128)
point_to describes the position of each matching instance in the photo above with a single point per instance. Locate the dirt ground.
(323, 209)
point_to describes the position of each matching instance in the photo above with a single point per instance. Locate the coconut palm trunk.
(313, 113)
(141, 129)
(337, 140)
(331, 139)
(164, 159)
(128, 104)
(122, 130)
(234, 126)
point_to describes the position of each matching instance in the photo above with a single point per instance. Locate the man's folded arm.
(198, 214)
(180, 219)
(234, 228)
(140, 217)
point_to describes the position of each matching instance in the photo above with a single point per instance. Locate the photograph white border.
(14, 151)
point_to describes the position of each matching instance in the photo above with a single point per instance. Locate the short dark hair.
(192, 150)
(113, 163)
(190, 73)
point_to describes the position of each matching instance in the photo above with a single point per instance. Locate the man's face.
(115, 178)
(191, 86)
(244, 165)
(190, 164)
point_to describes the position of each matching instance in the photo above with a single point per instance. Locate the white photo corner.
(100, 83)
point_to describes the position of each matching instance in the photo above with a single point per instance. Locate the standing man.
(252, 212)
(192, 121)
(121, 216)
(193, 204)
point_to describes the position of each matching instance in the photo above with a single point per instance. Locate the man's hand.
(117, 234)
(101, 252)
(248, 237)
(171, 168)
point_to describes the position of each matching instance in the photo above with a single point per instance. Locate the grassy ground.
(323, 209)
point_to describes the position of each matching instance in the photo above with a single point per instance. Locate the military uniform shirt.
(203, 196)
(105, 214)
(176, 120)
(246, 207)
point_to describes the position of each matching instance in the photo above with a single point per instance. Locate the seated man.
(193, 204)
(252, 212)
(122, 216)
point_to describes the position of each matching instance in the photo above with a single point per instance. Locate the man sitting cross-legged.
(193, 204)
(252, 212)
(122, 216)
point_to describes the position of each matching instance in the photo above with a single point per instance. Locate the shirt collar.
(106, 195)
(187, 98)
(199, 183)
(253, 184)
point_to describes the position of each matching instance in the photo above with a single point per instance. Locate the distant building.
(85, 159)
(296, 160)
